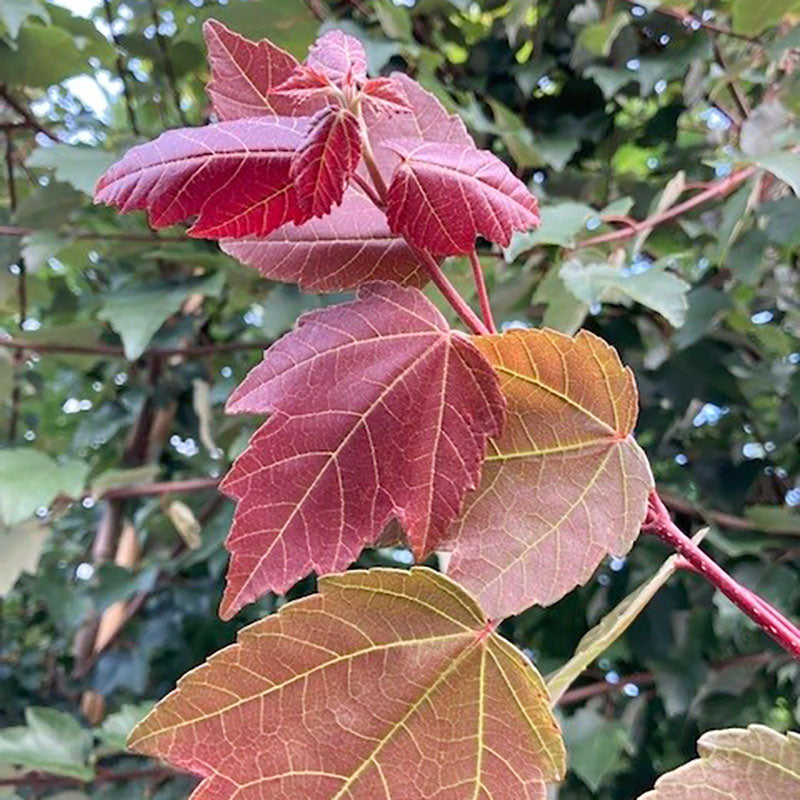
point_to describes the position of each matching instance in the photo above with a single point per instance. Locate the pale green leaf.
(78, 166)
(774, 519)
(610, 628)
(785, 166)
(20, 548)
(563, 311)
(41, 56)
(50, 741)
(595, 746)
(394, 19)
(137, 314)
(30, 479)
(14, 12)
(753, 16)
(599, 38)
(113, 733)
(656, 288)
(560, 224)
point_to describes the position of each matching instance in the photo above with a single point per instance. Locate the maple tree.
(514, 451)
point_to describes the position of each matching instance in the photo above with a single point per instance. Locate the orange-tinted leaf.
(234, 176)
(326, 160)
(444, 195)
(243, 73)
(565, 484)
(338, 56)
(387, 684)
(379, 411)
(736, 764)
(350, 246)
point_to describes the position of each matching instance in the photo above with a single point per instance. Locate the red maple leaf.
(244, 72)
(233, 176)
(339, 56)
(379, 411)
(444, 195)
(348, 247)
(326, 159)
(385, 95)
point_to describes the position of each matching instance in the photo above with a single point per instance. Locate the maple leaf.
(564, 485)
(379, 411)
(350, 246)
(304, 86)
(385, 684)
(444, 195)
(738, 763)
(339, 56)
(243, 73)
(384, 95)
(326, 160)
(234, 176)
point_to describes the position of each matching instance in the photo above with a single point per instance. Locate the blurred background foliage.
(118, 348)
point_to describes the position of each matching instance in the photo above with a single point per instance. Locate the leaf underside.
(388, 684)
(350, 246)
(736, 764)
(379, 411)
(565, 484)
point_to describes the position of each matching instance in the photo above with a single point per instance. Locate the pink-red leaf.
(244, 72)
(565, 485)
(379, 411)
(304, 87)
(326, 160)
(339, 56)
(386, 684)
(444, 195)
(385, 95)
(234, 176)
(350, 246)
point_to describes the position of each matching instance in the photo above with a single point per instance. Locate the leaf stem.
(483, 294)
(470, 318)
(769, 619)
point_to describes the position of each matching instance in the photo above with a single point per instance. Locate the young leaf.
(350, 246)
(565, 484)
(305, 86)
(611, 627)
(380, 411)
(385, 684)
(442, 196)
(339, 56)
(739, 764)
(244, 72)
(21, 546)
(235, 176)
(326, 160)
(384, 95)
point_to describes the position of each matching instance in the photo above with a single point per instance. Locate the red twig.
(164, 487)
(483, 295)
(769, 619)
(716, 189)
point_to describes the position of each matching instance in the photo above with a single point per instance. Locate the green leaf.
(608, 79)
(785, 166)
(30, 479)
(655, 288)
(560, 224)
(595, 746)
(78, 166)
(394, 19)
(20, 548)
(774, 519)
(516, 135)
(48, 207)
(42, 56)
(137, 314)
(50, 741)
(751, 17)
(113, 733)
(600, 37)
(563, 311)
(14, 12)
(610, 628)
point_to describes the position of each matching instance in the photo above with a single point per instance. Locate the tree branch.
(132, 236)
(716, 189)
(29, 120)
(769, 619)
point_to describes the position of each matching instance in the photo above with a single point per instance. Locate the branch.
(166, 62)
(715, 189)
(29, 120)
(121, 72)
(159, 488)
(483, 295)
(118, 352)
(769, 619)
(696, 22)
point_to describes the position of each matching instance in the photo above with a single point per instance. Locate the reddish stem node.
(769, 619)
